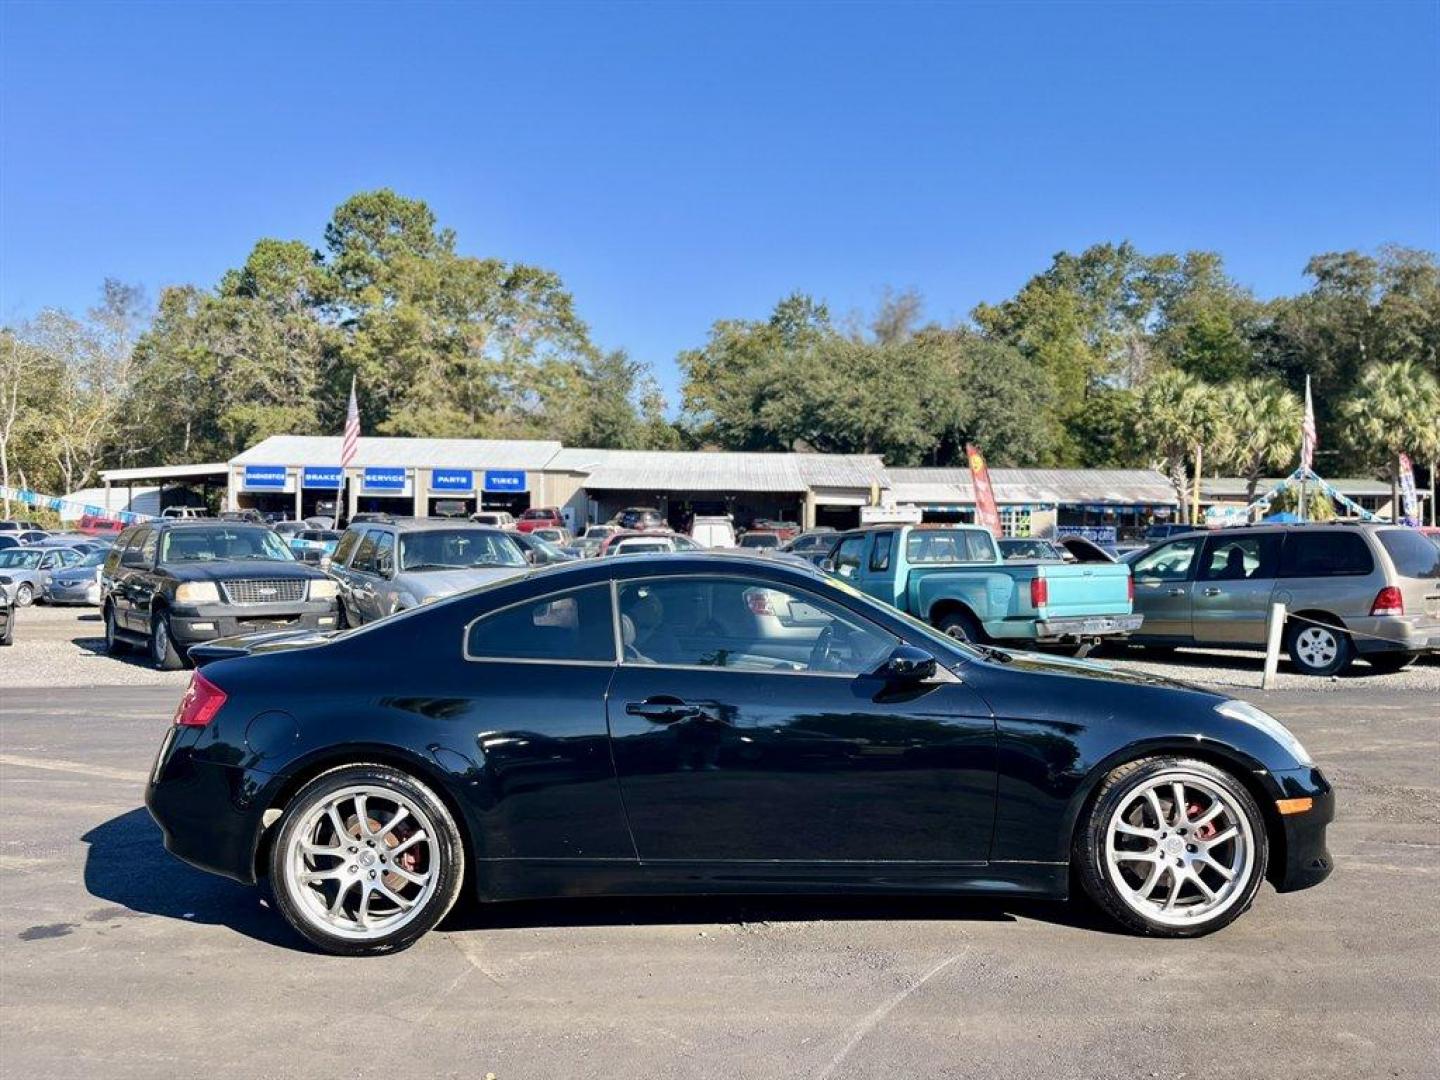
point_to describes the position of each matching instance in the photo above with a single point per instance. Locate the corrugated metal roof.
(1233, 487)
(396, 452)
(680, 470)
(949, 486)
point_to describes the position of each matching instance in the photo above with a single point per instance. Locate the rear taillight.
(201, 702)
(1039, 592)
(1388, 601)
(1130, 589)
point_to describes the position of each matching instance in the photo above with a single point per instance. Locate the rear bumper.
(1087, 626)
(189, 626)
(208, 813)
(1305, 860)
(1395, 633)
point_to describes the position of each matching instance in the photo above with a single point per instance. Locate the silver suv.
(1371, 591)
(387, 566)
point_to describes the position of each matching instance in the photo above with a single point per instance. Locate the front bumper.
(1086, 626)
(73, 592)
(208, 813)
(206, 622)
(1303, 859)
(1395, 633)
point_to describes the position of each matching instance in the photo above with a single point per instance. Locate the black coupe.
(714, 723)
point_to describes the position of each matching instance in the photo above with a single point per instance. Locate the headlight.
(197, 592)
(1249, 714)
(324, 589)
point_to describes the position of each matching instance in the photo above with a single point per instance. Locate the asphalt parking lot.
(116, 960)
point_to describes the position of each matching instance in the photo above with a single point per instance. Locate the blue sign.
(504, 479)
(452, 480)
(321, 476)
(1096, 534)
(265, 477)
(383, 479)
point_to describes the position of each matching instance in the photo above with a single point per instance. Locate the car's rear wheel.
(113, 642)
(962, 626)
(1316, 649)
(164, 653)
(24, 594)
(367, 860)
(1172, 847)
(1390, 662)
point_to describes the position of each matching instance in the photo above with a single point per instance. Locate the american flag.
(1308, 439)
(352, 430)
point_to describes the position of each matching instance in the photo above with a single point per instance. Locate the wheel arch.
(949, 605)
(429, 773)
(1244, 769)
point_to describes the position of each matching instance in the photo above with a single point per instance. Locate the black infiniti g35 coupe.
(710, 723)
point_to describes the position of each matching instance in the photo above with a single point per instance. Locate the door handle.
(1177, 592)
(1212, 591)
(662, 710)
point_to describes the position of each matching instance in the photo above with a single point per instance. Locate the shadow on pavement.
(126, 863)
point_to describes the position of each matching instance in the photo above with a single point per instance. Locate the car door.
(735, 738)
(1163, 580)
(848, 557)
(1230, 601)
(130, 589)
(364, 580)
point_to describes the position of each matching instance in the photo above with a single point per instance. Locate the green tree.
(1179, 417)
(1392, 411)
(1263, 419)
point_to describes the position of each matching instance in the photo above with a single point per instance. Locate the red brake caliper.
(1204, 832)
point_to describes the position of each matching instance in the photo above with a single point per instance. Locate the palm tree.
(1392, 411)
(1263, 420)
(1179, 416)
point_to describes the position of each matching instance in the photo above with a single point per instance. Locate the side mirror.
(828, 565)
(907, 664)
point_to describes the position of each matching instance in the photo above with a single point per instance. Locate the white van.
(713, 532)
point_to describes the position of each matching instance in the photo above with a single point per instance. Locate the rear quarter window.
(1326, 554)
(1414, 555)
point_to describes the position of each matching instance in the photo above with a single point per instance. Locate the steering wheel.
(822, 653)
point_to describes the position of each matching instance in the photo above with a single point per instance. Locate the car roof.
(414, 524)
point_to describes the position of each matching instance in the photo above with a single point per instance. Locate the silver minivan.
(389, 566)
(1371, 591)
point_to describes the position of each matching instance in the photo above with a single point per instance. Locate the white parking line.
(56, 765)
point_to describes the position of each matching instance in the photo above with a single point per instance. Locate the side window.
(141, 549)
(112, 558)
(1168, 563)
(1325, 554)
(847, 556)
(365, 557)
(979, 546)
(880, 553)
(1242, 558)
(346, 546)
(384, 553)
(736, 624)
(569, 627)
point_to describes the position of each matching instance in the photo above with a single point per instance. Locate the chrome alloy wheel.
(1317, 646)
(362, 862)
(1179, 849)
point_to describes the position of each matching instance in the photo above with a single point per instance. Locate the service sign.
(457, 480)
(383, 479)
(504, 479)
(264, 478)
(321, 476)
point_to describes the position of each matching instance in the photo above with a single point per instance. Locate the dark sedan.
(712, 723)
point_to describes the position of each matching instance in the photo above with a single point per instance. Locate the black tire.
(24, 594)
(1316, 649)
(164, 653)
(114, 643)
(1391, 662)
(8, 637)
(1119, 788)
(962, 626)
(448, 850)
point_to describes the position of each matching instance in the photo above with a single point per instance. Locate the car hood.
(428, 584)
(240, 570)
(1046, 664)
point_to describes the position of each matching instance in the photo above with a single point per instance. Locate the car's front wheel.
(1172, 847)
(24, 594)
(367, 860)
(113, 644)
(164, 653)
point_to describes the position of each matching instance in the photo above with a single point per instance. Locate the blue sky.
(678, 164)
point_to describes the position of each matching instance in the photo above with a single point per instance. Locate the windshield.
(231, 542)
(457, 549)
(19, 559)
(760, 540)
(952, 546)
(1028, 549)
(95, 558)
(599, 532)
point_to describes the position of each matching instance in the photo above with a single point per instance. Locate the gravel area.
(65, 646)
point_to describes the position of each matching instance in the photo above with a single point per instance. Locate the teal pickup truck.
(954, 578)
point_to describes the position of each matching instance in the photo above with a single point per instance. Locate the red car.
(540, 517)
(100, 526)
